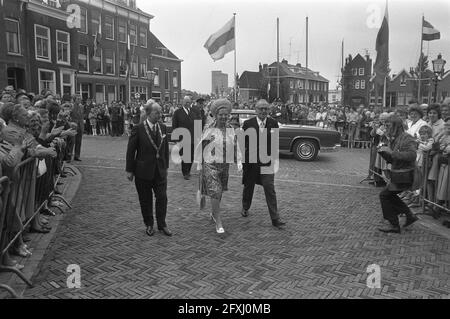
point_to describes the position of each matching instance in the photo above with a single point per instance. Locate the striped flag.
(381, 66)
(429, 33)
(97, 37)
(221, 42)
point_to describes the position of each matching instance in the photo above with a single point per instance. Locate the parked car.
(305, 142)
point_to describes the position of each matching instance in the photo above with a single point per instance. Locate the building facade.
(219, 83)
(251, 86)
(39, 53)
(335, 96)
(102, 65)
(356, 76)
(297, 84)
(80, 46)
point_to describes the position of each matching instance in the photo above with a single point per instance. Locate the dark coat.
(181, 119)
(252, 171)
(403, 157)
(141, 155)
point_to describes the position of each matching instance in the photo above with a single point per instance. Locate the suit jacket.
(77, 115)
(181, 119)
(252, 171)
(141, 155)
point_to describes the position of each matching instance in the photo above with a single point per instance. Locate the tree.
(420, 72)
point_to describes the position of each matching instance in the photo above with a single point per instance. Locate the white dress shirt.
(261, 124)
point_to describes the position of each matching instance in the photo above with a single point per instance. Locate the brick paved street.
(324, 251)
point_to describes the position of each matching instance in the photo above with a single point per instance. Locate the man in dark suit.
(185, 117)
(260, 172)
(77, 116)
(147, 163)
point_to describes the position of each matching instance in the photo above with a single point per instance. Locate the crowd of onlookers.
(41, 130)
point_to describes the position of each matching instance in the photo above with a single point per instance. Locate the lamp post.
(151, 78)
(438, 69)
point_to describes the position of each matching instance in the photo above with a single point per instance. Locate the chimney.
(284, 61)
(299, 65)
(260, 67)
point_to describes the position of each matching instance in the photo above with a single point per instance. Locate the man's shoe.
(149, 231)
(77, 160)
(390, 229)
(244, 213)
(187, 177)
(166, 231)
(278, 223)
(410, 220)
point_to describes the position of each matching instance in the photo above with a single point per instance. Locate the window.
(363, 84)
(166, 79)
(42, 38)
(98, 61)
(99, 93)
(83, 59)
(12, 36)
(361, 71)
(109, 61)
(95, 23)
(85, 90)
(175, 79)
(403, 80)
(175, 97)
(355, 71)
(109, 28)
(156, 80)
(133, 34)
(143, 69)
(143, 36)
(134, 67)
(47, 81)
(83, 21)
(67, 83)
(291, 84)
(63, 47)
(301, 85)
(357, 84)
(123, 66)
(122, 31)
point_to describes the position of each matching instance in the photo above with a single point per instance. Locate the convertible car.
(303, 141)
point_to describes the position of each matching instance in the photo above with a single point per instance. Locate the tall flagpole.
(306, 82)
(419, 100)
(384, 92)
(278, 58)
(235, 75)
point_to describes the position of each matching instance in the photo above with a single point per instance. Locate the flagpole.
(278, 58)
(384, 93)
(235, 75)
(419, 100)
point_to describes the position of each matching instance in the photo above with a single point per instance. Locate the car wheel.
(305, 150)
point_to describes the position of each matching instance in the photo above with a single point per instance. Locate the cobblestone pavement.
(324, 252)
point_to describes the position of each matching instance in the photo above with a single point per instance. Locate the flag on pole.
(429, 33)
(97, 37)
(221, 42)
(127, 56)
(268, 90)
(381, 66)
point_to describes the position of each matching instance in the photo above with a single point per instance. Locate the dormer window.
(163, 51)
(403, 80)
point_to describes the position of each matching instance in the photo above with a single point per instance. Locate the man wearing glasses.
(252, 174)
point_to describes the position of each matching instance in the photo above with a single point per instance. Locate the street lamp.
(438, 69)
(151, 77)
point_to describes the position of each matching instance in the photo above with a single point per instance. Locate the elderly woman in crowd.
(415, 114)
(217, 149)
(401, 154)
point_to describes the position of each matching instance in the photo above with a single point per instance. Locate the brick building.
(103, 76)
(251, 86)
(39, 53)
(356, 76)
(61, 55)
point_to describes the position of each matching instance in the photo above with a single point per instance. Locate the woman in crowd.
(415, 114)
(353, 120)
(213, 160)
(443, 187)
(401, 154)
(93, 120)
(379, 135)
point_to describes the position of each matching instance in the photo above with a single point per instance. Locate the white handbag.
(42, 168)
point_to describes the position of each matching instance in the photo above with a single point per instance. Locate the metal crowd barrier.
(15, 196)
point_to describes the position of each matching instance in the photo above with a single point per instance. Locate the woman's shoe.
(219, 230)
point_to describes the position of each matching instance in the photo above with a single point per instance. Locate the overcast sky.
(185, 25)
